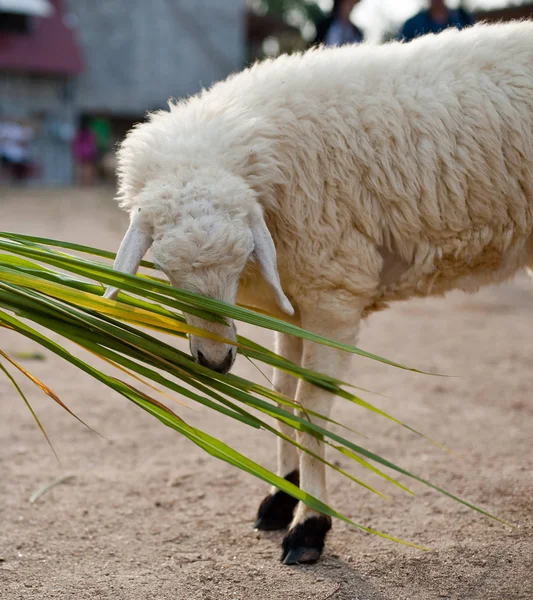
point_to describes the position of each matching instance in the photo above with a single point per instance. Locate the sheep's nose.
(220, 367)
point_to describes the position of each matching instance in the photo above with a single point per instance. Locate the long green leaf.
(76, 313)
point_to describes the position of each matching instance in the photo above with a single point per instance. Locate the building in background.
(139, 53)
(39, 61)
(111, 61)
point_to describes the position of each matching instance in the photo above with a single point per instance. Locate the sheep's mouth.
(222, 367)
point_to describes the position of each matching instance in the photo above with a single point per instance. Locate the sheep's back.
(423, 149)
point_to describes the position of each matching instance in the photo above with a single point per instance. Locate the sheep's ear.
(265, 253)
(134, 246)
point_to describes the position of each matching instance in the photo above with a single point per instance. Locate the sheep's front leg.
(276, 510)
(305, 539)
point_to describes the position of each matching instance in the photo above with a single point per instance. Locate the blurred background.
(76, 74)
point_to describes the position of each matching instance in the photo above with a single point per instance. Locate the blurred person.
(85, 149)
(15, 141)
(336, 29)
(435, 18)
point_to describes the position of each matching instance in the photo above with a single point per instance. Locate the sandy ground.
(146, 515)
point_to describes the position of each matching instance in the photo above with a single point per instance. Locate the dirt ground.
(146, 515)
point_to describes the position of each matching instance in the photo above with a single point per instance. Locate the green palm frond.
(42, 285)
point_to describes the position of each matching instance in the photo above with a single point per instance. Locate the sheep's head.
(202, 235)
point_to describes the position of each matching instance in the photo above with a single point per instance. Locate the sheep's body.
(383, 172)
(420, 154)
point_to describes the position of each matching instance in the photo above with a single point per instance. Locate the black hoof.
(276, 510)
(305, 542)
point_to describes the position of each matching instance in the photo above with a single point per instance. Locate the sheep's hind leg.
(277, 509)
(306, 537)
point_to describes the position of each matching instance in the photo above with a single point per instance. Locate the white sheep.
(374, 173)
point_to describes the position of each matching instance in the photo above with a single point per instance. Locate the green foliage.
(308, 9)
(62, 293)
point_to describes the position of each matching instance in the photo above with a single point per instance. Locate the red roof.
(49, 48)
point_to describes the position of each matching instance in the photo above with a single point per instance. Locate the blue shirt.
(340, 33)
(422, 23)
